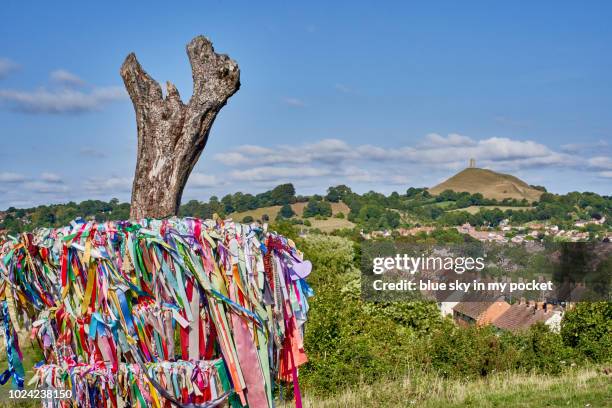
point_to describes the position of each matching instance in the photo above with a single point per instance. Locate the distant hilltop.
(488, 183)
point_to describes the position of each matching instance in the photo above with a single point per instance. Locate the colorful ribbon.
(115, 304)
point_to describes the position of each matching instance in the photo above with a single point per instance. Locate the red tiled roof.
(521, 316)
(475, 304)
(471, 309)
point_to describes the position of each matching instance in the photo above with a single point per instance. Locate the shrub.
(317, 207)
(285, 212)
(247, 219)
(350, 341)
(540, 350)
(466, 352)
(587, 328)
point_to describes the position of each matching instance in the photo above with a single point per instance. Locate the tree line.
(369, 211)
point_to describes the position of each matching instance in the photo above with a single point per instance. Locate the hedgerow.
(350, 341)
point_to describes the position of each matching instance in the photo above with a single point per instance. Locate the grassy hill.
(473, 209)
(488, 183)
(327, 225)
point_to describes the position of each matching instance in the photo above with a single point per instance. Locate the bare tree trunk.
(172, 135)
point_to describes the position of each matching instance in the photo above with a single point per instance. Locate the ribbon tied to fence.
(155, 313)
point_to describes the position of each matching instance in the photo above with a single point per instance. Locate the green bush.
(285, 212)
(465, 352)
(316, 207)
(588, 328)
(350, 341)
(347, 340)
(538, 349)
(247, 219)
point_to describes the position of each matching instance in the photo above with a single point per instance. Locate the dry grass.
(473, 209)
(328, 225)
(331, 224)
(575, 388)
(489, 183)
(298, 209)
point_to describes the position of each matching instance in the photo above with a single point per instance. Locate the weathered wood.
(171, 134)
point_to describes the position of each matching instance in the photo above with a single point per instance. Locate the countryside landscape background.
(355, 123)
(361, 353)
(479, 197)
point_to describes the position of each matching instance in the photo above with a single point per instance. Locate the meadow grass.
(473, 209)
(577, 387)
(586, 387)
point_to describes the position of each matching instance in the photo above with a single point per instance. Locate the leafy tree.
(283, 194)
(227, 202)
(335, 194)
(286, 211)
(315, 207)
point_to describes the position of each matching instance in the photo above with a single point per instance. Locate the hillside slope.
(326, 225)
(488, 183)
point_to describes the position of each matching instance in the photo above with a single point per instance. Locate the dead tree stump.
(171, 134)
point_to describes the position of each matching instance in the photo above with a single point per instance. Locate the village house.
(518, 239)
(414, 230)
(520, 316)
(446, 306)
(479, 313)
(481, 235)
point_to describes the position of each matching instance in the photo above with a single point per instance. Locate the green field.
(31, 355)
(328, 225)
(575, 388)
(443, 204)
(473, 209)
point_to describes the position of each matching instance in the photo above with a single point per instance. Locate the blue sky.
(375, 96)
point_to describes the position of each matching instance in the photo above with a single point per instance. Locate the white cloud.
(584, 147)
(253, 149)
(9, 177)
(571, 148)
(47, 183)
(453, 139)
(277, 173)
(108, 184)
(45, 187)
(606, 174)
(51, 177)
(600, 162)
(294, 102)
(6, 67)
(451, 151)
(326, 151)
(62, 100)
(201, 180)
(338, 161)
(66, 78)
